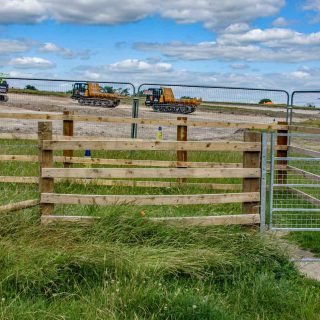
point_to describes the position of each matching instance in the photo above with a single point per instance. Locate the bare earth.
(33, 104)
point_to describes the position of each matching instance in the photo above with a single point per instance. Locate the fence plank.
(124, 183)
(12, 179)
(191, 221)
(156, 122)
(305, 196)
(152, 145)
(18, 206)
(149, 200)
(124, 162)
(242, 219)
(304, 151)
(112, 173)
(305, 174)
(303, 129)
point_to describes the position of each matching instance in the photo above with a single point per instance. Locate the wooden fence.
(181, 169)
(249, 171)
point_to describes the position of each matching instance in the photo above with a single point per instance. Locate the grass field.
(127, 267)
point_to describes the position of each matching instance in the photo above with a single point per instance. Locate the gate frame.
(273, 160)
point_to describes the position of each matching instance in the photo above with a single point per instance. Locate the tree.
(186, 97)
(109, 89)
(124, 92)
(141, 94)
(30, 87)
(266, 100)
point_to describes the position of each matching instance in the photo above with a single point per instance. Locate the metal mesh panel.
(305, 106)
(218, 104)
(295, 185)
(45, 96)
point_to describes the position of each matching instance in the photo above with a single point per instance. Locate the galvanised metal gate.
(294, 198)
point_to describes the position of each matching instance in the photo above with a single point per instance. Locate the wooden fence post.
(182, 135)
(251, 159)
(68, 126)
(45, 161)
(282, 140)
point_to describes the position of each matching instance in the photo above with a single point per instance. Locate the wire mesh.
(217, 104)
(295, 203)
(47, 95)
(305, 106)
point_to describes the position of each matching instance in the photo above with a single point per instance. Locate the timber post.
(46, 161)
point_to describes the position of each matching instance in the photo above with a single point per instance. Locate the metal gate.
(294, 198)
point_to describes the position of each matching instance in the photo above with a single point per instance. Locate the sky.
(247, 43)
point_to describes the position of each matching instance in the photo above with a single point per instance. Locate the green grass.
(40, 92)
(307, 240)
(126, 267)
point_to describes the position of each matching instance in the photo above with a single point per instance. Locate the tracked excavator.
(91, 94)
(163, 100)
(4, 87)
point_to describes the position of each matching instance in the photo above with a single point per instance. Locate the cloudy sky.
(250, 43)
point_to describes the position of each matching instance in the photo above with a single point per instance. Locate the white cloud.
(31, 63)
(300, 74)
(275, 44)
(237, 28)
(274, 37)
(239, 66)
(213, 13)
(135, 65)
(22, 11)
(280, 22)
(313, 5)
(8, 46)
(49, 47)
(138, 72)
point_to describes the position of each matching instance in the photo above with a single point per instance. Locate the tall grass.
(124, 267)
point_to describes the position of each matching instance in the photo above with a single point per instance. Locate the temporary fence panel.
(221, 104)
(305, 106)
(55, 95)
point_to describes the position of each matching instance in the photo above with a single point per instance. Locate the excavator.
(162, 100)
(91, 94)
(4, 87)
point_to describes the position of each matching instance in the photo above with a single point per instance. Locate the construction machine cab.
(4, 87)
(79, 90)
(153, 95)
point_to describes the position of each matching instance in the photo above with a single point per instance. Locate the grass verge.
(126, 267)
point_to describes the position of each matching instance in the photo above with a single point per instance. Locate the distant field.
(40, 92)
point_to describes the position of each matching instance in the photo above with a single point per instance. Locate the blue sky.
(259, 43)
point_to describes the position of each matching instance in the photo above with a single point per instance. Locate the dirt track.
(32, 103)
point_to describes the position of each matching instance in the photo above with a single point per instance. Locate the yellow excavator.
(163, 100)
(91, 94)
(3, 90)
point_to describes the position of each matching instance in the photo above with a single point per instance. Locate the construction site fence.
(219, 103)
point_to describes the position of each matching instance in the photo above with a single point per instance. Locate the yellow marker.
(159, 135)
(87, 154)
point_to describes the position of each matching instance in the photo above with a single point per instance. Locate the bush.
(30, 87)
(263, 101)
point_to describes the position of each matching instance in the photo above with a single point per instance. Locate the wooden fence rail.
(181, 170)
